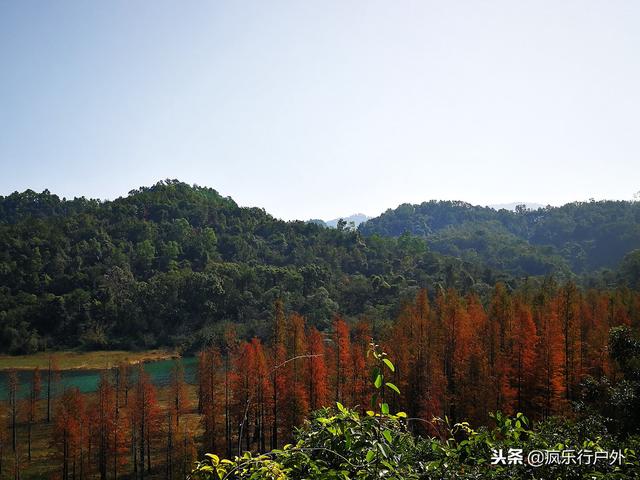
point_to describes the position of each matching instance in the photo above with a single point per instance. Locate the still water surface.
(87, 380)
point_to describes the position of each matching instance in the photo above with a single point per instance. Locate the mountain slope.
(171, 264)
(587, 235)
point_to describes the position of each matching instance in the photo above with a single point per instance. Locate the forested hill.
(168, 265)
(585, 235)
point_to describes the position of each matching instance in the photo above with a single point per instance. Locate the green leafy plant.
(342, 443)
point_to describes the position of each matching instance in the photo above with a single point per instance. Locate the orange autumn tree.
(70, 433)
(108, 426)
(474, 387)
(361, 383)
(454, 322)
(594, 333)
(342, 367)
(261, 393)
(500, 324)
(567, 306)
(209, 364)
(523, 358)
(318, 387)
(415, 343)
(401, 346)
(429, 354)
(145, 423)
(178, 390)
(185, 451)
(104, 421)
(296, 401)
(229, 344)
(278, 349)
(250, 389)
(550, 397)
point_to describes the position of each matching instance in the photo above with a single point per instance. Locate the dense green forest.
(172, 264)
(582, 237)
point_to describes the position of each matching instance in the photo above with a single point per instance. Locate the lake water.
(87, 380)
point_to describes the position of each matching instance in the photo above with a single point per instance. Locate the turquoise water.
(87, 380)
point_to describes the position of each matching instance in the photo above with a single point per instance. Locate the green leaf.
(378, 382)
(385, 408)
(401, 415)
(393, 387)
(370, 455)
(388, 363)
(387, 436)
(340, 407)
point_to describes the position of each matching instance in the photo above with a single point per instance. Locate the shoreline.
(68, 360)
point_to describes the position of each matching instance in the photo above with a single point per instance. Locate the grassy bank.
(70, 360)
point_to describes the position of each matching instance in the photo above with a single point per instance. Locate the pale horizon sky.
(323, 109)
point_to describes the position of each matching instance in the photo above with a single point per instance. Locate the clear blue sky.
(320, 109)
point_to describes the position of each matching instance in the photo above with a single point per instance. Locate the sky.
(325, 108)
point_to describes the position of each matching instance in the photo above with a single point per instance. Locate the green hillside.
(584, 236)
(168, 265)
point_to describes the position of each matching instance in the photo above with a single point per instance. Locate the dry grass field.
(70, 360)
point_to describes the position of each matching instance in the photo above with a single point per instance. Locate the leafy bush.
(342, 443)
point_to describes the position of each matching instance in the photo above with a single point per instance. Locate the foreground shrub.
(341, 443)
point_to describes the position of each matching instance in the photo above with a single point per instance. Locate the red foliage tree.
(250, 392)
(209, 363)
(567, 305)
(594, 334)
(341, 360)
(295, 403)
(318, 388)
(550, 359)
(179, 394)
(523, 358)
(70, 433)
(455, 326)
(416, 345)
(360, 383)
(500, 324)
(474, 388)
(145, 423)
(278, 359)
(108, 426)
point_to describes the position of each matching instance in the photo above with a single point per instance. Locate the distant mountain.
(317, 221)
(585, 235)
(512, 206)
(356, 218)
